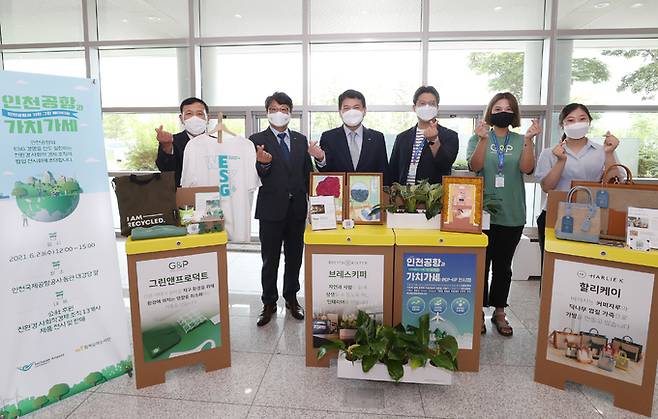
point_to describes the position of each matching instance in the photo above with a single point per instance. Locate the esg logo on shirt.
(224, 185)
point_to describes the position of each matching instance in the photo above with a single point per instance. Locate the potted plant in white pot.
(413, 206)
(387, 353)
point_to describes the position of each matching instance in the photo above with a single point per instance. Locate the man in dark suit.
(194, 117)
(351, 147)
(426, 150)
(284, 166)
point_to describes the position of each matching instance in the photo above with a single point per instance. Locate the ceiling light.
(498, 8)
(124, 20)
(237, 16)
(602, 5)
(153, 19)
(636, 5)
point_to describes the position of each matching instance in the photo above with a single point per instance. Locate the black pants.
(500, 251)
(541, 227)
(272, 234)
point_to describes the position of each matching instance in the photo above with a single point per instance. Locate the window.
(349, 16)
(128, 19)
(386, 73)
(583, 14)
(607, 72)
(143, 77)
(32, 21)
(246, 75)
(481, 15)
(57, 63)
(253, 17)
(470, 73)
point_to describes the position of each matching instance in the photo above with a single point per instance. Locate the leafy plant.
(348, 322)
(397, 346)
(422, 197)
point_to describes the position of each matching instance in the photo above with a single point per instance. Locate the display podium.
(442, 273)
(345, 271)
(603, 294)
(179, 304)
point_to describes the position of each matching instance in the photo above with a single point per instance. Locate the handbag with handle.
(633, 350)
(578, 222)
(594, 341)
(146, 200)
(606, 362)
(621, 361)
(561, 339)
(615, 196)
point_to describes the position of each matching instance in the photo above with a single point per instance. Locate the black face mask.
(502, 119)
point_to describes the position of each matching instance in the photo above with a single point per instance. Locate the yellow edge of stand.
(360, 235)
(410, 237)
(599, 251)
(135, 247)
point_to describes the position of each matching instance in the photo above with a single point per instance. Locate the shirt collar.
(359, 131)
(276, 133)
(584, 150)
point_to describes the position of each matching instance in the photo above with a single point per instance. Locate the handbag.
(614, 198)
(633, 350)
(571, 351)
(578, 222)
(606, 362)
(584, 355)
(560, 339)
(146, 200)
(594, 341)
(621, 361)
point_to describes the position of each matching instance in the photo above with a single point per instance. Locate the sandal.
(502, 325)
(483, 329)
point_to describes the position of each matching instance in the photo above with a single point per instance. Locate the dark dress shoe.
(266, 314)
(296, 311)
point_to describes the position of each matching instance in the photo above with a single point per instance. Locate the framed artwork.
(462, 204)
(365, 191)
(330, 184)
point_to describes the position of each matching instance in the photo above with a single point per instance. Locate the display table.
(345, 271)
(442, 273)
(179, 304)
(603, 290)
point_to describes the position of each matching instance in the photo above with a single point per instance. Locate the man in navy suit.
(284, 166)
(426, 150)
(351, 147)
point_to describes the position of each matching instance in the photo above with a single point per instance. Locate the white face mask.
(278, 119)
(352, 118)
(426, 112)
(576, 130)
(195, 125)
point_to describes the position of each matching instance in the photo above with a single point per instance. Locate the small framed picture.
(365, 191)
(330, 184)
(462, 204)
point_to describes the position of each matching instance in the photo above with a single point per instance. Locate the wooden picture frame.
(462, 204)
(364, 191)
(318, 177)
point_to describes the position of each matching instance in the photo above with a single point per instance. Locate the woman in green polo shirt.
(502, 157)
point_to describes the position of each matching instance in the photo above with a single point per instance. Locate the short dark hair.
(278, 97)
(513, 103)
(426, 89)
(191, 100)
(567, 110)
(351, 94)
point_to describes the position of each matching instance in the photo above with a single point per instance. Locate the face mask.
(352, 118)
(426, 112)
(577, 130)
(278, 119)
(195, 125)
(502, 119)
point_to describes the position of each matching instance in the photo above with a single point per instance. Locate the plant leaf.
(444, 361)
(449, 344)
(424, 329)
(417, 361)
(334, 345)
(395, 369)
(368, 362)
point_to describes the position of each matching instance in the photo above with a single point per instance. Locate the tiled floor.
(268, 377)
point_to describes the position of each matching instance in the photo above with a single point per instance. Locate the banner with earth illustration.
(64, 324)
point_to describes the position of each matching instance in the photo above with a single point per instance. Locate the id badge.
(500, 181)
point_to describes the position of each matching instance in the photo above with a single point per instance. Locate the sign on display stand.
(61, 300)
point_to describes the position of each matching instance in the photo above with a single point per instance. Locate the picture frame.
(328, 182)
(364, 191)
(462, 204)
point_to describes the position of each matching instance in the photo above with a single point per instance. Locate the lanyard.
(501, 153)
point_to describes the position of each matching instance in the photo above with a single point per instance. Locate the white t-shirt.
(231, 165)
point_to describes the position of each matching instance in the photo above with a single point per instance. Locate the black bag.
(594, 341)
(146, 200)
(626, 344)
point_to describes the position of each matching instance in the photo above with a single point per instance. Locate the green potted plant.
(413, 206)
(401, 354)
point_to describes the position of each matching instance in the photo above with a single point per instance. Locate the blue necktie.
(284, 146)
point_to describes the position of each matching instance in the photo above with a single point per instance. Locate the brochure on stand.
(323, 212)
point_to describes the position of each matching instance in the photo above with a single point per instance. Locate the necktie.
(284, 146)
(354, 149)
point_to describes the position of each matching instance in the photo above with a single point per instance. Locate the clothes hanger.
(220, 128)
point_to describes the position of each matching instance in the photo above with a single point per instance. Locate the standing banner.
(441, 284)
(64, 326)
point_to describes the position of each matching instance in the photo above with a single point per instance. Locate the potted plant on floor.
(401, 354)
